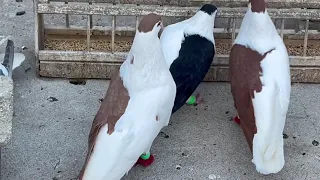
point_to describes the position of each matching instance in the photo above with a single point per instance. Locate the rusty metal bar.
(233, 35)
(91, 20)
(137, 22)
(170, 11)
(88, 32)
(282, 28)
(113, 33)
(229, 25)
(67, 16)
(305, 44)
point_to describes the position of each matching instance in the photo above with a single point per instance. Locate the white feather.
(173, 35)
(271, 104)
(152, 93)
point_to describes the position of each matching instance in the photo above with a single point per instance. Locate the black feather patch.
(191, 66)
(209, 9)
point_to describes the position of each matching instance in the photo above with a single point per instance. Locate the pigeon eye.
(159, 23)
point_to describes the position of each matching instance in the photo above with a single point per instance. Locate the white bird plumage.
(152, 92)
(173, 35)
(258, 32)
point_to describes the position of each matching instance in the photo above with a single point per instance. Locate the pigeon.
(189, 49)
(259, 72)
(137, 105)
(10, 60)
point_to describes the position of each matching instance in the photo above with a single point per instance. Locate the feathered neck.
(201, 23)
(257, 31)
(148, 63)
(146, 45)
(257, 5)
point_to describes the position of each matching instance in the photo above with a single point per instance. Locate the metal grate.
(50, 62)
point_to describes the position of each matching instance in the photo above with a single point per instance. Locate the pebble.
(20, 13)
(315, 143)
(52, 99)
(212, 176)
(178, 167)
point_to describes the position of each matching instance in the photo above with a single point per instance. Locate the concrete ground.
(50, 138)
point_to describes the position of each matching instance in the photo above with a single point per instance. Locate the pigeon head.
(209, 9)
(150, 23)
(257, 6)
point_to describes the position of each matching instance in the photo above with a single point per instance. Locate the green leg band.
(145, 156)
(192, 100)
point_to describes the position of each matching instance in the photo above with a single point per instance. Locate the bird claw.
(236, 119)
(199, 100)
(145, 162)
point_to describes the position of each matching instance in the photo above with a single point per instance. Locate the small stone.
(184, 154)
(285, 136)
(100, 100)
(212, 176)
(20, 13)
(27, 69)
(52, 99)
(315, 143)
(303, 154)
(78, 82)
(178, 167)
(24, 48)
(227, 112)
(18, 0)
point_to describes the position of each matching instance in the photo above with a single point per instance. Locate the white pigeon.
(137, 106)
(261, 86)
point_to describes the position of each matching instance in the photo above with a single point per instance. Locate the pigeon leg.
(145, 159)
(195, 100)
(237, 120)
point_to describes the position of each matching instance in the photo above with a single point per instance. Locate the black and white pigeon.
(189, 49)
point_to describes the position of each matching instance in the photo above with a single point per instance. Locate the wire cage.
(95, 35)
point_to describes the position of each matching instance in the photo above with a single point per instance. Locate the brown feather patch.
(148, 22)
(244, 73)
(111, 109)
(258, 6)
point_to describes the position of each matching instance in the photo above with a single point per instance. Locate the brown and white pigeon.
(261, 86)
(137, 106)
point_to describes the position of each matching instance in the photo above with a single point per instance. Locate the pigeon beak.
(161, 29)
(160, 32)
